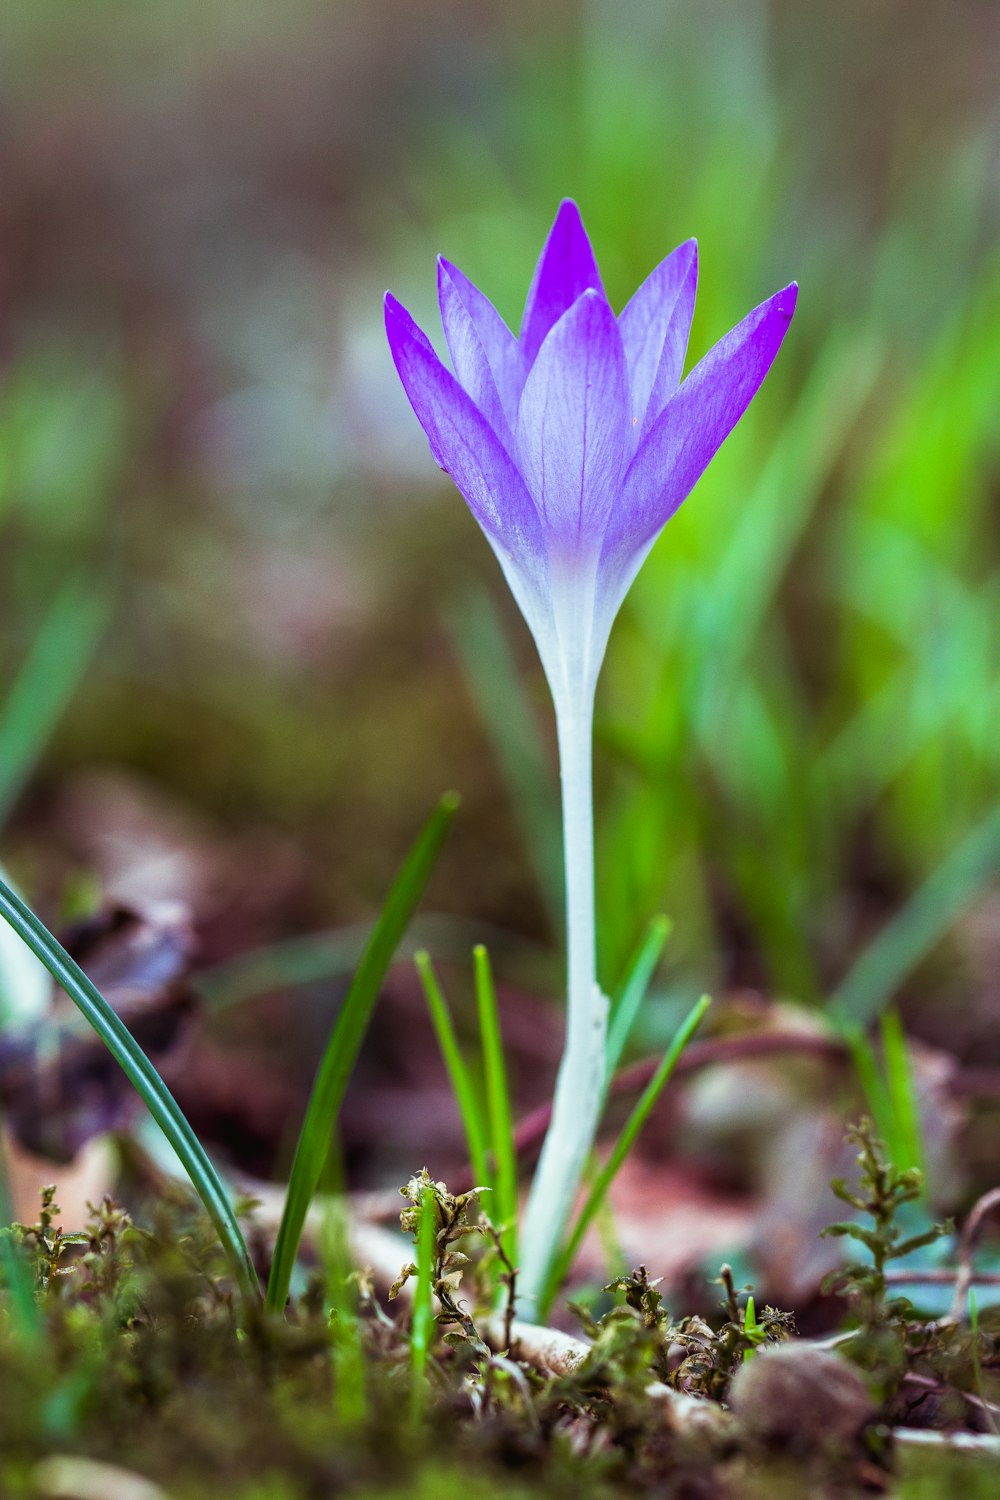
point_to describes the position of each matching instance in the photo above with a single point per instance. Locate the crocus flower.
(572, 445)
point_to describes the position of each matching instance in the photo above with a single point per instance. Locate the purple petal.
(463, 442)
(655, 328)
(484, 352)
(566, 269)
(574, 428)
(693, 426)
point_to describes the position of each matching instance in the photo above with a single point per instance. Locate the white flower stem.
(580, 1085)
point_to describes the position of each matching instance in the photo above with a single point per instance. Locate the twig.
(508, 1278)
(555, 1353)
(968, 1442)
(988, 1409)
(971, 1229)
(698, 1055)
(938, 1276)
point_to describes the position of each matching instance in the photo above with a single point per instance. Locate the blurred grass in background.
(198, 418)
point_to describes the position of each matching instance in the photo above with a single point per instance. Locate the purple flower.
(574, 443)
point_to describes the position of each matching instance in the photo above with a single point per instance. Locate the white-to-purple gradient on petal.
(576, 442)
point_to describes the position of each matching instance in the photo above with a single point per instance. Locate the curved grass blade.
(901, 1088)
(322, 956)
(913, 932)
(422, 1317)
(497, 1101)
(140, 1071)
(873, 1087)
(347, 1355)
(59, 656)
(458, 1074)
(890, 1090)
(640, 972)
(622, 1147)
(345, 1041)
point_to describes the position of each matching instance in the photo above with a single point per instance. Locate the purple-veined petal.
(566, 269)
(464, 444)
(574, 433)
(693, 426)
(655, 327)
(476, 332)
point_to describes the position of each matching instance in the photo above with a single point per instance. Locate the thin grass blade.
(140, 1071)
(920, 924)
(347, 1358)
(476, 1131)
(59, 656)
(637, 979)
(750, 1329)
(422, 1316)
(901, 1090)
(322, 956)
(874, 1088)
(342, 1049)
(497, 1101)
(18, 1273)
(622, 1147)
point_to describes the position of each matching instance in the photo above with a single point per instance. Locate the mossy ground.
(134, 1349)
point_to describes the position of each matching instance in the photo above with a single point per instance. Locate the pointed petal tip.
(401, 329)
(398, 321)
(448, 271)
(786, 299)
(565, 267)
(779, 304)
(569, 220)
(689, 250)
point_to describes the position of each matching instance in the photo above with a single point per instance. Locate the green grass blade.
(19, 1278)
(622, 1147)
(461, 1083)
(750, 1329)
(345, 1041)
(497, 1102)
(140, 1072)
(498, 692)
(637, 979)
(347, 1357)
(283, 965)
(18, 1272)
(422, 1316)
(920, 924)
(321, 956)
(59, 656)
(873, 1087)
(900, 1088)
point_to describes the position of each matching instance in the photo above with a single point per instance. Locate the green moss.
(143, 1357)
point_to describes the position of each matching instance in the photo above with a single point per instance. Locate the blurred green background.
(241, 610)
